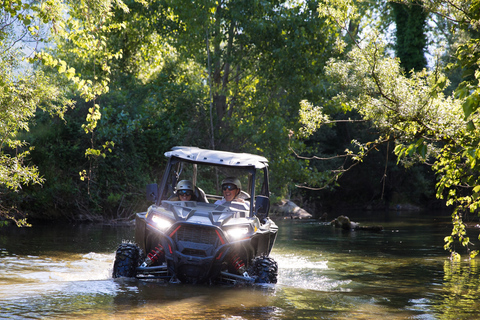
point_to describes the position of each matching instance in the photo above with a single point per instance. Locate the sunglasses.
(184, 192)
(229, 187)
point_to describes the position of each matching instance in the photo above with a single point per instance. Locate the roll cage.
(207, 168)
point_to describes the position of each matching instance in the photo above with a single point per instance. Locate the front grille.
(194, 252)
(197, 234)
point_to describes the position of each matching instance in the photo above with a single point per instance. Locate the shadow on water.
(52, 271)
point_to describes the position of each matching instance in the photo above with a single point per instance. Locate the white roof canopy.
(218, 157)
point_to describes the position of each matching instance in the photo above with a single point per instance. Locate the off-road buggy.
(200, 241)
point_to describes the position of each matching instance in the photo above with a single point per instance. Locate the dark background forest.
(227, 75)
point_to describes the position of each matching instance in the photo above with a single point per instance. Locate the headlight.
(238, 232)
(161, 223)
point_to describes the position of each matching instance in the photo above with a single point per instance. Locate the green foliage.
(22, 93)
(149, 75)
(81, 44)
(259, 58)
(459, 234)
(141, 122)
(414, 112)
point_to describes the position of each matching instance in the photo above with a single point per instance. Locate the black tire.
(126, 261)
(264, 270)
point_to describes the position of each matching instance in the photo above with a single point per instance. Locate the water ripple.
(306, 273)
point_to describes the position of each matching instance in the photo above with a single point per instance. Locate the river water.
(64, 271)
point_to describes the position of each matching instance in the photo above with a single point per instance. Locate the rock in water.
(289, 209)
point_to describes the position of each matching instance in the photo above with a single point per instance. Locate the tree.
(410, 21)
(45, 86)
(256, 59)
(262, 59)
(413, 111)
(229, 75)
(22, 92)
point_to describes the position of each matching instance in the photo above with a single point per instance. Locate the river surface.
(64, 272)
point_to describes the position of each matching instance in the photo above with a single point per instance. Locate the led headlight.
(237, 232)
(161, 223)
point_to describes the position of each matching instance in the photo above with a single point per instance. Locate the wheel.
(126, 261)
(264, 270)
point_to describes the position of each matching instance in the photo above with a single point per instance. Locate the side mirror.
(152, 192)
(262, 206)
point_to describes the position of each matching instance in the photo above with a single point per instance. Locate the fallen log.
(344, 223)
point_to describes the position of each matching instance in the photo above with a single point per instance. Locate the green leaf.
(62, 67)
(423, 150)
(442, 81)
(70, 73)
(470, 125)
(470, 105)
(410, 150)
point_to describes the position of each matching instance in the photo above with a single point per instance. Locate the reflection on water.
(460, 290)
(65, 272)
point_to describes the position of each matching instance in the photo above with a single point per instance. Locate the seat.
(243, 195)
(200, 194)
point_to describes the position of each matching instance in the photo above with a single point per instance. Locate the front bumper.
(193, 253)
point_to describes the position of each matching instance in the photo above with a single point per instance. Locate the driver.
(231, 188)
(184, 191)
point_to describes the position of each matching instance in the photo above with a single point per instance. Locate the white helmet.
(184, 185)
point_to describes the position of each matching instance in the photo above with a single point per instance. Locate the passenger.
(184, 191)
(231, 188)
